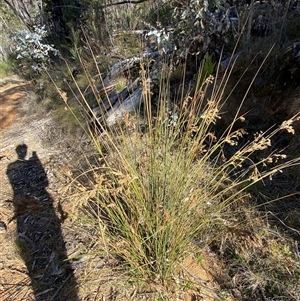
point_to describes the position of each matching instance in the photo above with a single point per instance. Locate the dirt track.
(22, 122)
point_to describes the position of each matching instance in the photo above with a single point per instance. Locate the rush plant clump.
(163, 181)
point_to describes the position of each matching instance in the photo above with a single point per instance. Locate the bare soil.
(33, 237)
(42, 241)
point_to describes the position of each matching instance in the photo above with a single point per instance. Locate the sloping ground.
(42, 243)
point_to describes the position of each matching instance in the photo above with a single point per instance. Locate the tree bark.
(21, 11)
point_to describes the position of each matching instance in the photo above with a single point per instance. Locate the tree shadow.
(39, 237)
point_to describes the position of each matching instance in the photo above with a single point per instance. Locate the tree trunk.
(23, 10)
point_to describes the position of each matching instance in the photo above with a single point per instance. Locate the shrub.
(31, 50)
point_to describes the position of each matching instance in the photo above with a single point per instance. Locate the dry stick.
(250, 20)
(297, 250)
(99, 6)
(283, 222)
(124, 2)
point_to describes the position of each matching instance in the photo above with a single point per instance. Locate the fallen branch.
(115, 104)
(112, 98)
(130, 104)
(125, 65)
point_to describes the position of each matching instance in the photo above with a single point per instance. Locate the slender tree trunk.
(21, 10)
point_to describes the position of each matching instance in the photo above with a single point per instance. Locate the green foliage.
(160, 15)
(127, 45)
(31, 50)
(205, 23)
(9, 20)
(120, 83)
(207, 69)
(6, 67)
(63, 16)
(8, 24)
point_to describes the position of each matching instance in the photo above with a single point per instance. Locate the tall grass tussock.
(167, 183)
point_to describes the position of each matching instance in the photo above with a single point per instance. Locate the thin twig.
(298, 232)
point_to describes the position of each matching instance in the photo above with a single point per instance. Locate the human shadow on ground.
(39, 236)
